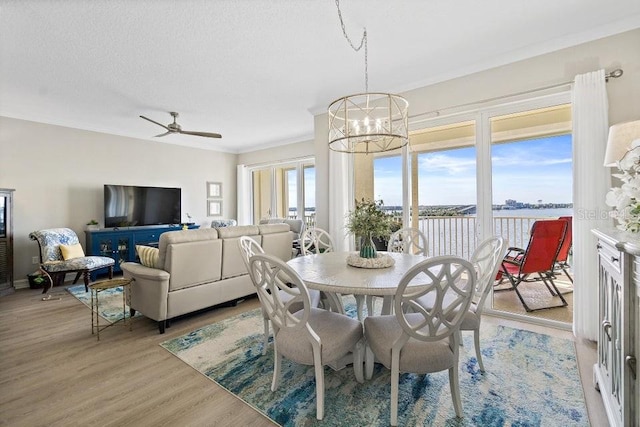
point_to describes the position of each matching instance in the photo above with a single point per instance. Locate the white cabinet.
(616, 373)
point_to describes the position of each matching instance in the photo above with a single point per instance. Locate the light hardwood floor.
(53, 372)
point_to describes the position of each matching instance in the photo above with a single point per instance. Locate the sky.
(309, 187)
(526, 171)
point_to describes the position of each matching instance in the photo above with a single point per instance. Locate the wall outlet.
(35, 260)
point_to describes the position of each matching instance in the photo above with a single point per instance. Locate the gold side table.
(98, 287)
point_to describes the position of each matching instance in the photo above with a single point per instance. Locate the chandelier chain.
(363, 42)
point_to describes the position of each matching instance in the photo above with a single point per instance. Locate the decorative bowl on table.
(380, 261)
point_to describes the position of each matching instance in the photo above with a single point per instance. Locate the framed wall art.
(214, 207)
(214, 190)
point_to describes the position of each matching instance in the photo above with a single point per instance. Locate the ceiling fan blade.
(206, 134)
(162, 134)
(153, 121)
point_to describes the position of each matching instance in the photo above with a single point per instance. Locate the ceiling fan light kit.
(370, 122)
(176, 128)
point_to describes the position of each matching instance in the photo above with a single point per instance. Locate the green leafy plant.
(92, 222)
(369, 220)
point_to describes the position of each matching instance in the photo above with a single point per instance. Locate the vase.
(367, 247)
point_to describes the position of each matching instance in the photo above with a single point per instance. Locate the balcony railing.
(456, 235)
(309, 220)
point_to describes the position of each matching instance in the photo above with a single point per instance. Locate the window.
(283, 191)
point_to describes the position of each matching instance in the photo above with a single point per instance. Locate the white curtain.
(340, 198)
(591, 181)
(243, 196)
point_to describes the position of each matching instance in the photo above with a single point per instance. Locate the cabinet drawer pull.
(614, 259)
(606, 325)
(631, 363)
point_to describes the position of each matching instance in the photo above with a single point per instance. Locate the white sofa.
(199, 269)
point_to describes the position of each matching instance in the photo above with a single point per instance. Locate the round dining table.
(330, 273)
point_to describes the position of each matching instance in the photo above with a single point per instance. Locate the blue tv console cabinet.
(120, 243)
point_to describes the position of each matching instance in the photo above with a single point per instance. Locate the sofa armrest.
(149, 289)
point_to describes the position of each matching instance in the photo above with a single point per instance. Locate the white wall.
(58, 174)
(275, 154)
(619, 51)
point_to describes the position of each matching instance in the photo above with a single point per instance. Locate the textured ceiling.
(254, 70)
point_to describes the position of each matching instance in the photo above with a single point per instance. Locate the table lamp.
(621, 140)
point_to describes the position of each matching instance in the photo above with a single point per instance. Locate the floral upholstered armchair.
(61, 253)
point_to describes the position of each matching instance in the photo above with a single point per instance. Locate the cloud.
(526, 161)
(443, 163)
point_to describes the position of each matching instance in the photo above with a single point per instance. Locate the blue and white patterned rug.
(531, 380)
(110, 302)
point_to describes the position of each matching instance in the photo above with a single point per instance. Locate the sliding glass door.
(531, 172)
(283, 191)
(493, 171)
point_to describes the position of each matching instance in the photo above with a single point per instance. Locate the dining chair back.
(419, 339)
(310, 336)
(486, 259)
(316, 241)
(408, 240)
(249, 248)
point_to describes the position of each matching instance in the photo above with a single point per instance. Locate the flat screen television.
(129, 205)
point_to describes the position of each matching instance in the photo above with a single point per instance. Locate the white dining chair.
(486, 260)
(310, 336)
(420, 340)
(408, 240)
(316, 241)
(249, 248)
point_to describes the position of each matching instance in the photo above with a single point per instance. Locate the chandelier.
(370, 122)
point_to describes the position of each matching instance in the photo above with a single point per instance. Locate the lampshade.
(368, 123)
(621, 137)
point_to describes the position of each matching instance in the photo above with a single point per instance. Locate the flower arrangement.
(367, 221)
(626, 199)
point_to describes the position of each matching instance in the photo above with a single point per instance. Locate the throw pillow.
(148, 256)
(71, 251)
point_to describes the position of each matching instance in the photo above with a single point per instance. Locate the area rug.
(531, 380)
(110, 302)
(537, 295)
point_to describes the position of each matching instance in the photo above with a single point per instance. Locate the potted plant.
(366, 222)
(37, 280)
(92, 225)
(383, 242)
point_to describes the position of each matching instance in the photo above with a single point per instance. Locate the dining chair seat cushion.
(293, 345)
(420, 357)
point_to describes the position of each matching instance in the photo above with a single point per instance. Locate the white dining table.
(330, 273)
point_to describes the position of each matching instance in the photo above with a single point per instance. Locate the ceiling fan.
(176, 128)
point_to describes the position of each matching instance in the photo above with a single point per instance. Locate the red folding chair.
(563, 253)
(537, 259)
